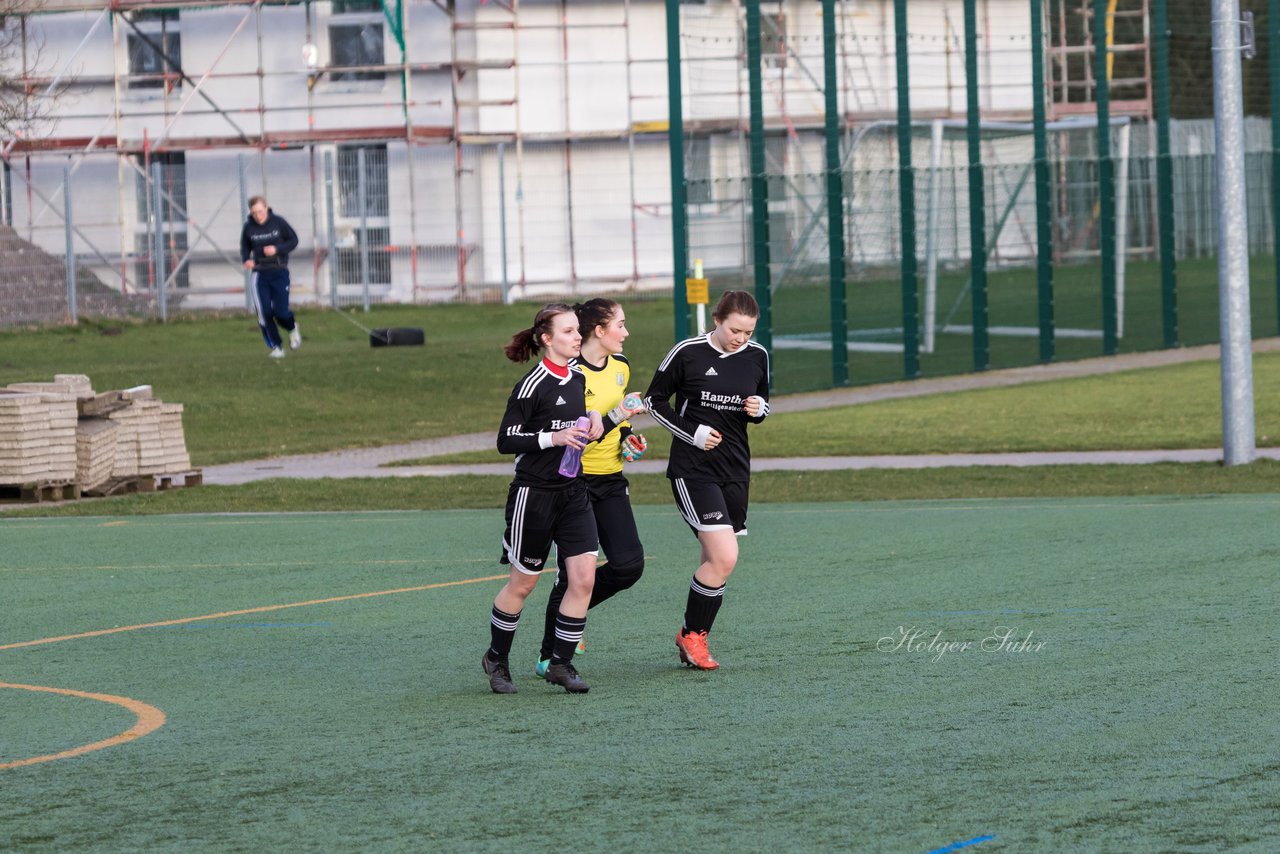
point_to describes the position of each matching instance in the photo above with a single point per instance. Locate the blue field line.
(245, 626)
(956, 846)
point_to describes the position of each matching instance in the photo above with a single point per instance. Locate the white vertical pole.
(1233, 235)
(1122, 223)
(702, 307)
(931, 236)
(242, 168)
(71, 244)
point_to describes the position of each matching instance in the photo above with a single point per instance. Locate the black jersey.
(541, 403)
(710, 388)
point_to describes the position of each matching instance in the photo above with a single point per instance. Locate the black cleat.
(499, 675)
(565, 676)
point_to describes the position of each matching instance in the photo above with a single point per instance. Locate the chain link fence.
(100, 234)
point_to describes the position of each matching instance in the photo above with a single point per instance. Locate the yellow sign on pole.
(697, 291)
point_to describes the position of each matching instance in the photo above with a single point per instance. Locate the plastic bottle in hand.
(571, 462)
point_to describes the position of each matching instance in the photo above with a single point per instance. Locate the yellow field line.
(149, 720)
(255, 565)
(259, 610)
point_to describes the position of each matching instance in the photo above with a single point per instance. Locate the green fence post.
(907, 201)
(759, 182)
(977, 194)
(1044, 186)
(1106, 178)
(835, 203)
(1164, 169)
(675, 141)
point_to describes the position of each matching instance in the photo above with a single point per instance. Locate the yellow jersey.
(606, 386)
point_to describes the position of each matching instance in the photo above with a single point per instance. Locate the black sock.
(502, 631)
(568, 633)
(704, 602)
(553, 610)
(604, 586)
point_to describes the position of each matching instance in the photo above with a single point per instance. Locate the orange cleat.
(693, 650)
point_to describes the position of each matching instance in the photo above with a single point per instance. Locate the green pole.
(759, 181)
(675, 142)
(907, 200)
(835, 203)
(1164, 169)
(1044, 186)
(1106, 178)
(977, 194)
(395, 20)
(1273, 44)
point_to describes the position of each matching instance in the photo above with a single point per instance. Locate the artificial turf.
(1143, 723)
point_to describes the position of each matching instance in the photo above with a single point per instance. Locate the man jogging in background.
(265, 244)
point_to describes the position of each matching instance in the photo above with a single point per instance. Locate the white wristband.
(545, 441)
(701, 435)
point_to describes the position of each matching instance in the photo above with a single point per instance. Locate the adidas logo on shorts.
(559, 401)
(711, 372)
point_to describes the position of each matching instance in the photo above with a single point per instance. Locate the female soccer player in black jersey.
(543, 505)
(603, 325)
(720, 382)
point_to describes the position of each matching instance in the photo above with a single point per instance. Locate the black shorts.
(709, 506)
(611, 504)
(538, 517)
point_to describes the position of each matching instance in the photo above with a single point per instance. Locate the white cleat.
(295, 338)
(276, 353)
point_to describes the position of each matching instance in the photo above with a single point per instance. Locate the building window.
(773, 39)
(169, 219)
(356, 39)
(775, 165)
(348, 260)
(155, 50)
(377, 209)
(348, 7)
(698, 178)
(376, 202)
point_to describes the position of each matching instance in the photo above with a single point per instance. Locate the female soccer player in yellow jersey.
(603, 326)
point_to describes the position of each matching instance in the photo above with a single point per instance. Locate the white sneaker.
(295, 338)
(276, 353)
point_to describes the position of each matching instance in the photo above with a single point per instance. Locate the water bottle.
(572, 459)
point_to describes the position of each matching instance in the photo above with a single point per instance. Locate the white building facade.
(437, 151)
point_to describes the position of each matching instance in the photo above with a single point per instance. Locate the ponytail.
(526, 342)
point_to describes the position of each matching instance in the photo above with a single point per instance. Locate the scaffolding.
(482, 54)
(503, 181)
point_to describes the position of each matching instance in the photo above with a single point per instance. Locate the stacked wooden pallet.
(96, 440)
(43, 433)
(63, 433)
(173, 439)
(24, 440)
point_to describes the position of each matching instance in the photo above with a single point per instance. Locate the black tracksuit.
(270, 280)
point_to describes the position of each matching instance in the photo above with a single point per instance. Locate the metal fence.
(917, 188)
(386, 222)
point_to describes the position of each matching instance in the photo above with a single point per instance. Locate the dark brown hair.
(736, 301)
(594, 313)
(253, 200)
(526, 342)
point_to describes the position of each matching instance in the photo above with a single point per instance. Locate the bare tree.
(27, 90)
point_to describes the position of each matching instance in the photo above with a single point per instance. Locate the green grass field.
(338, 392)
(318, 680)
